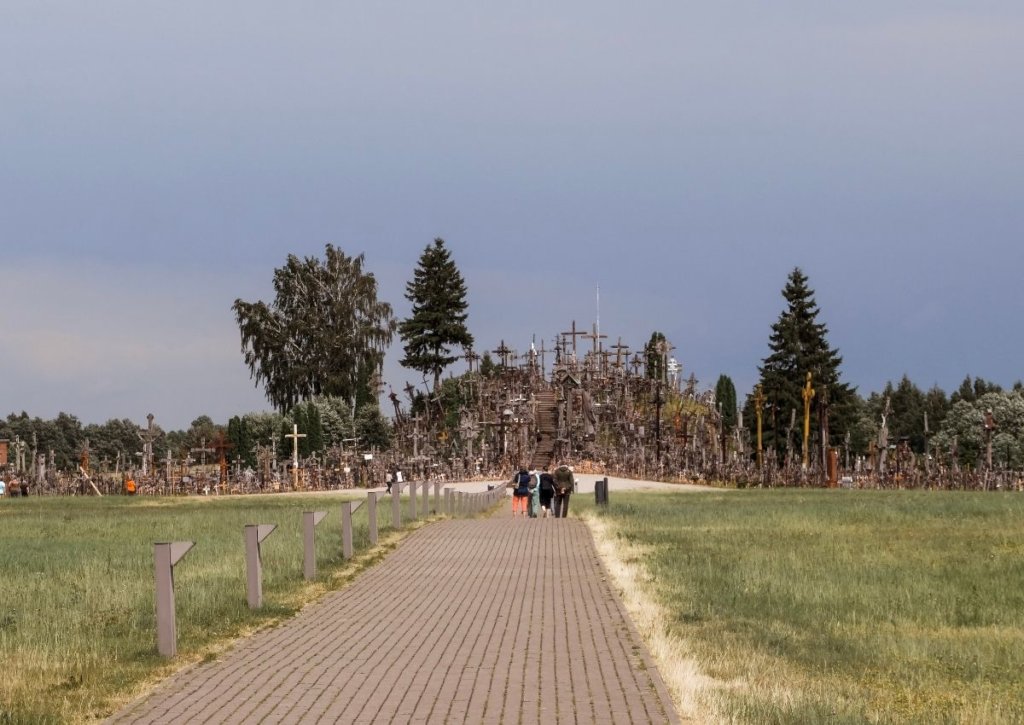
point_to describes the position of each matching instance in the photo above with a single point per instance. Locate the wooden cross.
(221, 446)
(295, 435)
(471, 357)
(574, 335)
(620, 350)
(504, 352)
(808, 394)
(202, 450)
(147, 435)
(595, 337)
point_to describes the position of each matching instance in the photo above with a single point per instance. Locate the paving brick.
(490, 620)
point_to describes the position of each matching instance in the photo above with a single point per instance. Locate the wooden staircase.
(547, 431)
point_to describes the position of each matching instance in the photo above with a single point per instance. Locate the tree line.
(947, 426)
(318, 348)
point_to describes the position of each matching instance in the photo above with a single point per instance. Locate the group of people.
(15, 489)
(539, 494)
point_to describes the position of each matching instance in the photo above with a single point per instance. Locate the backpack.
(547, 483)
(523, 479)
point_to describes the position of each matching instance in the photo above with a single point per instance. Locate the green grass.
(841, 606)
(77, 620)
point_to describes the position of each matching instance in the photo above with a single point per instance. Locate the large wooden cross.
(295, 435)
(808, 394)
(504, 352)
(221, 445)
(620, 350)
(574, 333)
(595, 337)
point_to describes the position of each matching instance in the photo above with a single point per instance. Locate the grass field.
(77, 621)
(834, 606)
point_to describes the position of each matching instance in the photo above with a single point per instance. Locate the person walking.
(564, 485)
(521, 493)
(534, 494)
(547, 492)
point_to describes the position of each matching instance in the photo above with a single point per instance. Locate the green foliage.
(242, 443)
(488, 368)
(970, 390)
(438, 320)
(307, 417)
(725, 397)
(908, 408)
(373, 429)
(202, 432)
(324, 334)
(336, 423)
(656, 357)
(964, 426)
(798, 344)
(112, 438)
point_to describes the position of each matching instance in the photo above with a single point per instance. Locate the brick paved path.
(447, 629)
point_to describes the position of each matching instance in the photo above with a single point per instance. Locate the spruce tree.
(438, 320)
(725, 397)
(799, 345)
(656, 354)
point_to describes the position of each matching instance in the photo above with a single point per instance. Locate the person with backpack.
(564, 485)
(547, 492)
(521, 493)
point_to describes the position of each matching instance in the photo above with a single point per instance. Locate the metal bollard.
(347, 509)
(309, 521)
(165, 556)
(254, 536)
(396, 505)
(371, 515)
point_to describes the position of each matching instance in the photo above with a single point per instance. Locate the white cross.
(295, 435)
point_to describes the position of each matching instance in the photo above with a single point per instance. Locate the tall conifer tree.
(438, 320)
(799, 345)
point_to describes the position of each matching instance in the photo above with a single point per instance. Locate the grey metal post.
(254, 536)
(425, 501)
(371, 515)
(437, 498)
(448, 501)
(412, 501)
(165, 556)
(309, 521)
(396, 505)
(346, 530)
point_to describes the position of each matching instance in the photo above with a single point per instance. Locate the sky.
(159, 160)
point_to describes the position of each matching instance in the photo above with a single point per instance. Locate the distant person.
(129, 487)
(3, 488)
(547, 492)
(564, 484)
(521, 493)
(534, 494)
